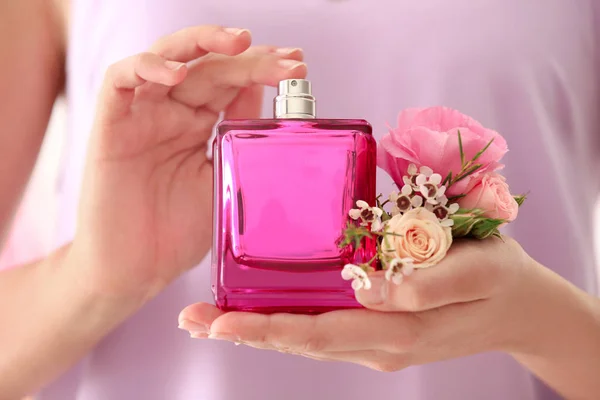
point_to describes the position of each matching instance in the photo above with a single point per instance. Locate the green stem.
(372, 259)
(453, 198)
(382, 234)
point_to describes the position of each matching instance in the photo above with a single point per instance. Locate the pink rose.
(429, 137)
(492, 195)
(419, 236)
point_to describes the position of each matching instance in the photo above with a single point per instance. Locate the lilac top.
(525, 68)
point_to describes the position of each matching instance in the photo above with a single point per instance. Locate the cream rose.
(418, 235)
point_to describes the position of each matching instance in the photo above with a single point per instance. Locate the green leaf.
(520, 199)
(486, 227)
(385, 216)
(463, 224)
(354, 235)
(472, 223)
(454, 198)
(470, 211)
(468, 172)
(499, 236)
(460, 147)
(461, 230)
(448, 179)
(482, 150)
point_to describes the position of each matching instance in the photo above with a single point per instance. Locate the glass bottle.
(283, 188)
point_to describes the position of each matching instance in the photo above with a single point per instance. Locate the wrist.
(94, 308)
(560, 335)
(54, 319)
(558, 319)
(109, 277)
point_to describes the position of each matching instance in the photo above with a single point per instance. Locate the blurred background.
(33, 235)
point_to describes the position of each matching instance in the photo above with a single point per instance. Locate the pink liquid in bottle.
(283, 189)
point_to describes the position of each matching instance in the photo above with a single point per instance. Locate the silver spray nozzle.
(294, 100)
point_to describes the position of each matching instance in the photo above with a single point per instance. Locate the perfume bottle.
(283, 188)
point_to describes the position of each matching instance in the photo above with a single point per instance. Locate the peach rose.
(418, 235)
(492, 195)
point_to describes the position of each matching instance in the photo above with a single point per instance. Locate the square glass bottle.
(283, 188)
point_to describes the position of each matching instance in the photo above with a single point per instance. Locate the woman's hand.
(484, 296)
(146, 208)
(467, 304)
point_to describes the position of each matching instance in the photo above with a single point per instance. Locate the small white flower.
(406, 190)
(426, 171)
(413, 173)
(359, 277)
(444, 211)
(412, 170)
(408, 269)
(431, 187)
(367, 215)
(405, 200)
(398, 268)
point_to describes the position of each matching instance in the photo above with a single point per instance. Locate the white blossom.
(444, 211)
(405, 201)
(367, 215)
(359, 277)
(430, 187)
(413, 173)
(398, 268)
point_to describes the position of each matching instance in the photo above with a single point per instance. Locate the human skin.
(484, 296)
(147, 168)
(144, 217)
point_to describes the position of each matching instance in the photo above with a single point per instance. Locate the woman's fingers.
(123, 77)
(164, 65)
(337, 331)
(470, 272)
(247, 104)
(191, 43)
(291, 53)
(226, 75)
(197, 318)
(255, 67)
(379, 340)
(145, 67)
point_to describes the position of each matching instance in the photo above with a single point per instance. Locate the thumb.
(471, 271)
(384, 295)
(412, 295)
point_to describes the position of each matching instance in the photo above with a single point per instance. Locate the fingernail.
(376, 294)
(195, 329)
(174, 65)
(236, 31)
(225, 336)
(290, 64)
(285, 51)
(198, 335)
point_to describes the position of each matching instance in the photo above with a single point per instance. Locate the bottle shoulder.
(294, 126)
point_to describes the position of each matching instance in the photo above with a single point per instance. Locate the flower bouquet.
(445, 165)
